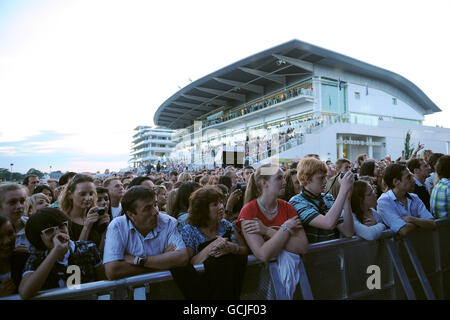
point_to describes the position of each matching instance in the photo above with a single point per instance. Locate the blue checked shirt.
(440, 199)
(392, 210)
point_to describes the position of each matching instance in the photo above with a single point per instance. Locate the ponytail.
(251, 192)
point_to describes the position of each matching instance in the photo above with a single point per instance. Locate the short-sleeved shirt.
(193, 237)
(392, 210)
(81, 253)
(307, 210)
(251, 210)
(440, 199)
(182, 220)
(123, 238)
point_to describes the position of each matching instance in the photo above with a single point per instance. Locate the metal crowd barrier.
(415, 267)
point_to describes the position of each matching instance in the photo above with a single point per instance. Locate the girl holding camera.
(87, 221)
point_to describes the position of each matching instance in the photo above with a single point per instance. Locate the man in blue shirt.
(401, 210)
(142, 240)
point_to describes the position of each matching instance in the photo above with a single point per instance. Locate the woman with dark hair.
(292, 184)
(182, 202)
(212, 240)
(103, 200)
(367, 222)
(53, 252)
(271, 226)
(45, 189)
(12, 261)
(371, 169)
(79, 203)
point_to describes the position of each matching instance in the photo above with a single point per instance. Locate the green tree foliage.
(408, 149)
(36, 172)
(5, 175)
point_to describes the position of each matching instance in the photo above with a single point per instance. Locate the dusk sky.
(76, 77)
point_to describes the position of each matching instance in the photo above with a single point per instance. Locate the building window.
(357, 95)
(394, 101)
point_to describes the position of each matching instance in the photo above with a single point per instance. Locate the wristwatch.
(140, 261)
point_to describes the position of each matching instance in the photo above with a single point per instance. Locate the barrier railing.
(415, 267)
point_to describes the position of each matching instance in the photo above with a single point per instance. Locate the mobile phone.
(101, 210)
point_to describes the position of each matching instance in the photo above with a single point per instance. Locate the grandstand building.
(150, 145)
(295, 99)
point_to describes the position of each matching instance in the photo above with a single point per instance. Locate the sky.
(77, 76)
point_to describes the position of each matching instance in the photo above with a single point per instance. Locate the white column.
(369, 142)
(341, 147)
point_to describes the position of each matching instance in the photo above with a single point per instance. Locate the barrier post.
(393, 252)
(305, 287)
(419, 269)
(438, 262)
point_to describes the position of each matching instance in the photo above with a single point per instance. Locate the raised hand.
(61, 243)
(91, 217)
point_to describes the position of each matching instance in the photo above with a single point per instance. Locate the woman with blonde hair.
(161, 198)
(213, 180)
(78, 201)
(36, 202)
(271, 226)
(171, 202)
(184, 177)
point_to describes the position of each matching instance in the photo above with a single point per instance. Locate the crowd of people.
(126, 225)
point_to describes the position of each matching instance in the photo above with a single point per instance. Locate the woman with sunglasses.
(53, 252)
(79, 203)
(11, 261)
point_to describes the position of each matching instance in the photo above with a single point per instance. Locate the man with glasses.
(142, 240)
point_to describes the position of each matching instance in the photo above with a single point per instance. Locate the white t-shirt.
(116, 211)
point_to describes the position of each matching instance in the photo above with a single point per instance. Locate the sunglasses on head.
(51, 230)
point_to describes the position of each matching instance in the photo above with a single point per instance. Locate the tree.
(406, 153)
(5, 175)
(36, 172)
